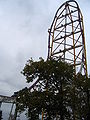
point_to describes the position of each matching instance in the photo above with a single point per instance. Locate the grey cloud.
(23, 34)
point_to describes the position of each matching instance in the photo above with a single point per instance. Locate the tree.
(60, 93)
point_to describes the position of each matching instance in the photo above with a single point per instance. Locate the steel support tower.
(66, 37)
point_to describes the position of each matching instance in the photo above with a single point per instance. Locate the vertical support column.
(73, 40)
(65, 28)
(42, 113)
(84, 48)
(73, 47)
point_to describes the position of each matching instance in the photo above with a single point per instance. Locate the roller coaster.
(66, 39)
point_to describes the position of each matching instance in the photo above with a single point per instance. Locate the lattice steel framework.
(66, 37)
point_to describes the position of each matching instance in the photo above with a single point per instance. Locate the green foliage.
(59, 92)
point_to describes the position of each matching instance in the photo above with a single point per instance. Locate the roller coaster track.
(66, 39)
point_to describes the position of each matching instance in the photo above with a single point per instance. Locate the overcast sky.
(24, 34)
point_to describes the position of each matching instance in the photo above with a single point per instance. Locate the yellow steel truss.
(66, 37)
